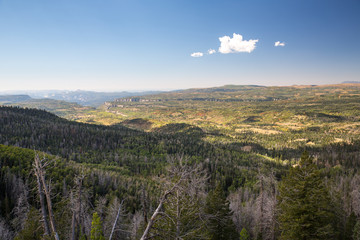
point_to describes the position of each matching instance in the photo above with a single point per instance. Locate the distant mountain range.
(59, 107)
(85, 98)
(351, 82)
(9, 99)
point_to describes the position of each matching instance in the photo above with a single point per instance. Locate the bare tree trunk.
(152, 219)
(49, 205)
(182, 173)
(43, 207)
(177, 215)
(115, 222)
(40, 172)
(76, 223)
(73, 220)
(157, 212)
(81, 229)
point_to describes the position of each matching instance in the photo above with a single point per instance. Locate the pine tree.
(96, 228)
(304, 204)
(244, 235)
(356, 231)
(32, 228)
(182, 219)
(349, 227)
(220, 223)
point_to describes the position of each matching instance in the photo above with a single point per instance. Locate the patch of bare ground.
(300, 140)
(291, 126)
(349, 127)
(258, 130)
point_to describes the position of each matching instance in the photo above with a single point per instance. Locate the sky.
(111, 45)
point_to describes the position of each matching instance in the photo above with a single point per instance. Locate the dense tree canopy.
(220, 223)
(305, 205)
(94, 168)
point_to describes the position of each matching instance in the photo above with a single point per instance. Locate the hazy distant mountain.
(59, 107)
(351, 82)
(5, 99)
(85, 98)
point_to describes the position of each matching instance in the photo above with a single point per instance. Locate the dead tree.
(43, 205)
(136, 221)
(5, 230)
(116, 219)
(18, 190)
(76, 206)
(39, 169)
(185, 180)
(158, 210)
(265, 206)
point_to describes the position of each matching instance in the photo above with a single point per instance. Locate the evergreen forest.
(235, 162)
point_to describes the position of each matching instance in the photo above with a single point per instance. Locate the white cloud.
(197, 54)
(236, 44)
(211, 51)
(278, 43)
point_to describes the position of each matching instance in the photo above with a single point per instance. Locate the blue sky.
(147, 44)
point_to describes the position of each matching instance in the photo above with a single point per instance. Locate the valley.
(179, 120)
(235, 144)
(274, 117)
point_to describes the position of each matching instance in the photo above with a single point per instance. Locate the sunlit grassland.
(274, 117)
(290, 116)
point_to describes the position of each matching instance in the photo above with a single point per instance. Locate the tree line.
(164, 186)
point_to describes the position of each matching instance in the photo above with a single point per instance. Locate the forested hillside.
(117, 162)
(170, 183)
